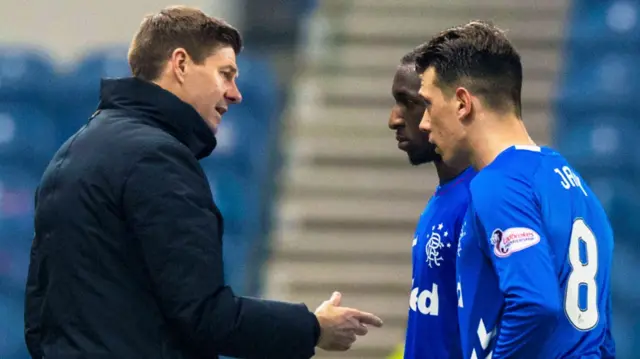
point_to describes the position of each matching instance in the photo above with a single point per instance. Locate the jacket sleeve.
(168, 204)
(32, 304)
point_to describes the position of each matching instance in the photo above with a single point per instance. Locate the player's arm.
(522, 261)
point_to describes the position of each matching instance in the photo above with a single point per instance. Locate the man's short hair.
(174, 27)
(479, 57)
(411, 57)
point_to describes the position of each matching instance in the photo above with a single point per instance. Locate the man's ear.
(464, 102)
(179, 63)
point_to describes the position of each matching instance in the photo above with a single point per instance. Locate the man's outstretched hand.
(340, 326)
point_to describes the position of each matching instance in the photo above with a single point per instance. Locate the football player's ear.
(464, 102)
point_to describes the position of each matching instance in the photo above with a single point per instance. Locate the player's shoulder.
(512, 174)
(517, 164)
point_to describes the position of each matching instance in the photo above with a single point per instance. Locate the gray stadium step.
(366, 24)
(384, 59)
(345, 86)
(412, 180)
(345, 274)
(348, 122)
(342, 245)
(337, 209)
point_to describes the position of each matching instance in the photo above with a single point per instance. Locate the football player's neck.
(446, 173)
(494, 133)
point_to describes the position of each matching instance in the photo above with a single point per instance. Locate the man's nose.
(395, 121)
(233, 95)
(425, 123)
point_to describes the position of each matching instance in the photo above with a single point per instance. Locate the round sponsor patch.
(513, 240)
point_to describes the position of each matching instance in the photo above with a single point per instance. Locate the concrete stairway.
(350, 198)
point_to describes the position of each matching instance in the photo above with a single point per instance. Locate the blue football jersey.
(432, 330)
(534, 262)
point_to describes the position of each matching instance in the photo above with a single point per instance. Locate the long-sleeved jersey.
(432, 330)
(534, 262)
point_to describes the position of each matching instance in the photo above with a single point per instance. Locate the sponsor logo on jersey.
(425, 302)
(513, 240)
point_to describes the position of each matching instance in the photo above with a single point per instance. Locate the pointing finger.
(368, 318)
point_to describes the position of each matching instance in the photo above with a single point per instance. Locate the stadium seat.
(11, 326)
(95, 65)
(82, 85)
(16, 234)
(27, 135)
(604, 23)
(237, 263)
(26, 75)
(243, 143)
(17, 193)
(590, 139)
(605, 81)
(619, 194)
(237, 198)
(259, 87)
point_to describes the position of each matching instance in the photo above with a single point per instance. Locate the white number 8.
(582, 274)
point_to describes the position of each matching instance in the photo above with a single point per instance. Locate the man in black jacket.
(127, 256)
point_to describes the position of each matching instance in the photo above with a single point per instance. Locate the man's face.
(211, 87)
(406, 114)
(443, 121)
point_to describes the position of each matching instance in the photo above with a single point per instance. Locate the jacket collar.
(171, 114)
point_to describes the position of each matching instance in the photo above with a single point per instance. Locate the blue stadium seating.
(17, 190)
(27, 134)
(26, 75)
(11, 326)
(237, 263)
(607, 80)
(604, 23)
(597, 139)
(81, 86)
(243, 142)
(16, 232)
(620, 195)
(258, 85)
(237, 198)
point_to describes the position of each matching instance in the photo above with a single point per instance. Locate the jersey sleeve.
(515, 243)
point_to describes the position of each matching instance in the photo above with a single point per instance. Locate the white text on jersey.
(425, 302)
(568, 179)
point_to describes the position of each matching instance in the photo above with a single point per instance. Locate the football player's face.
(406, 115)
(441, 120)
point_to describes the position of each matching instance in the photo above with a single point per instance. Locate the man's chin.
(416, 161)
(422, 158)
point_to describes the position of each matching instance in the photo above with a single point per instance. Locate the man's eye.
(416, 102)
